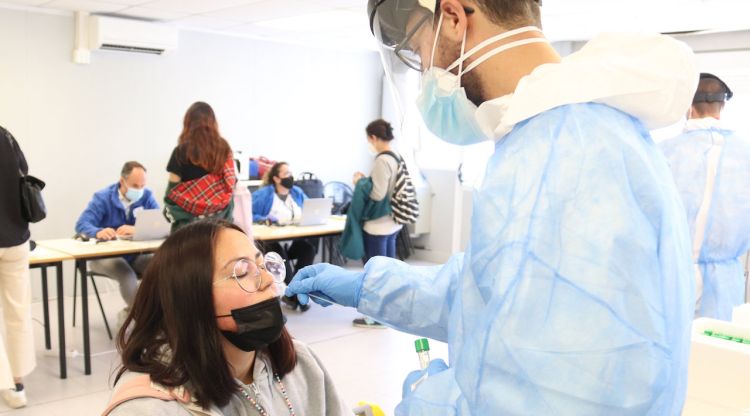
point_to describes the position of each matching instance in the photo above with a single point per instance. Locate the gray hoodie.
(309, 387)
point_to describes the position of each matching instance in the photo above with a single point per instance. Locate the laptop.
(150, 224)
(316, 211)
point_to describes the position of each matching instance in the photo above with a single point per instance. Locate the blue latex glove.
(436, 366)
(327, 284)
(272, 219)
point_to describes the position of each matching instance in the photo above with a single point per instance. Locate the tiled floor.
(366, 364)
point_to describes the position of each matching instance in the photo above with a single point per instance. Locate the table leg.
(323, 250)
(329, 242)
(61, 322)
(45, 308)
(85, 315)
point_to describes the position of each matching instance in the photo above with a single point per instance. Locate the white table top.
(335, 225)
(81, 250)
(41, 255)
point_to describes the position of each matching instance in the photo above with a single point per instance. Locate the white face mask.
(446, 110)
(371, 148)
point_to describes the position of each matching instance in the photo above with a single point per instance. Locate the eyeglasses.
(404, 50)
(247, 273)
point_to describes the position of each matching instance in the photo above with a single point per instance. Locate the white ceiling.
(343, 23)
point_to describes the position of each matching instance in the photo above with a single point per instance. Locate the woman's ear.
(454, 20)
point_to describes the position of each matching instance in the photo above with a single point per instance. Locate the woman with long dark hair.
(206, 335)
(201, 170)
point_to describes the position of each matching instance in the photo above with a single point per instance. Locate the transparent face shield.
(404, 30)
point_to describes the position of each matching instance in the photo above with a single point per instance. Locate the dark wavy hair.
(274, 171)
(174, 336)
(200, 139)
(380, 129)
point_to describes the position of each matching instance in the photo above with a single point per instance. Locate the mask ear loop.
(490, 41)
(504, 48)
(461, 59)
(434, 42)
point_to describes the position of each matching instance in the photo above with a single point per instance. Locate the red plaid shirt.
(208, 194)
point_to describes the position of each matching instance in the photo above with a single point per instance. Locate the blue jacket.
(105, 210)
(263, 201)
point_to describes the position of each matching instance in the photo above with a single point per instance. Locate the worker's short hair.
(128, 167)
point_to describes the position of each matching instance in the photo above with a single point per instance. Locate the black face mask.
(287, 182)
(257, 325)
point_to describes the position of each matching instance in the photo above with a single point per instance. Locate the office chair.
(91, 275)
(341, 194)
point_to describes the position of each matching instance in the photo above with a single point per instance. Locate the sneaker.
(14, 399)
(367, 323)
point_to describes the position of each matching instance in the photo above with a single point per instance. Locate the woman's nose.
(266, 279)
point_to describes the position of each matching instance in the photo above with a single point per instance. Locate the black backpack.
(310, 184)
(404, 204)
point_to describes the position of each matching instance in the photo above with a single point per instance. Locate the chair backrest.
(341, 194)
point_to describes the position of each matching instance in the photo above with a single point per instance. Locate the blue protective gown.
(727, 233)
(575, 294)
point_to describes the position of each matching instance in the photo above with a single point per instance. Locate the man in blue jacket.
(110, 214)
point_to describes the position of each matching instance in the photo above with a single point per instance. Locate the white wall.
(734, 69)
(77, 124)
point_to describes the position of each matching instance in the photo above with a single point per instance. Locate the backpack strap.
(142, 386)
(391, 154)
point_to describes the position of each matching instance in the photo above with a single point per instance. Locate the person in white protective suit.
(575, 294)
(711, 167)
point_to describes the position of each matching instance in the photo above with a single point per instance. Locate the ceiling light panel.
(269, 10)
(85, 5)
(152, 14)
(196, 6)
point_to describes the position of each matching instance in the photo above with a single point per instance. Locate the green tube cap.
(422, 345)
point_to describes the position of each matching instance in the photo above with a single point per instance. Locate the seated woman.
(206, 335)
(201, 171)
(280, 202)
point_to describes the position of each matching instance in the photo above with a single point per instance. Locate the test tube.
(423, 352)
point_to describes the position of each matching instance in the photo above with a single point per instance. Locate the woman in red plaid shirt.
(201, 171)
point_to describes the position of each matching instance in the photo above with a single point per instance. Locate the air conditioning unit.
(117, 34)
(130, 35)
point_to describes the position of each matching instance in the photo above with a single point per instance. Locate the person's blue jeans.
(380, 245)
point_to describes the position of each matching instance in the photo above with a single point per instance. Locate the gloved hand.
(327, 282)
(270, 219)
(416, 377)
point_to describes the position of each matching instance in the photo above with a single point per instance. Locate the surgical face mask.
(133, 194)
(447, 111)
(287, 182)
(258, 325)
(371, 148)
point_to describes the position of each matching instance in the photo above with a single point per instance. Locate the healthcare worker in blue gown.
(711, 167)
(575, 294)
